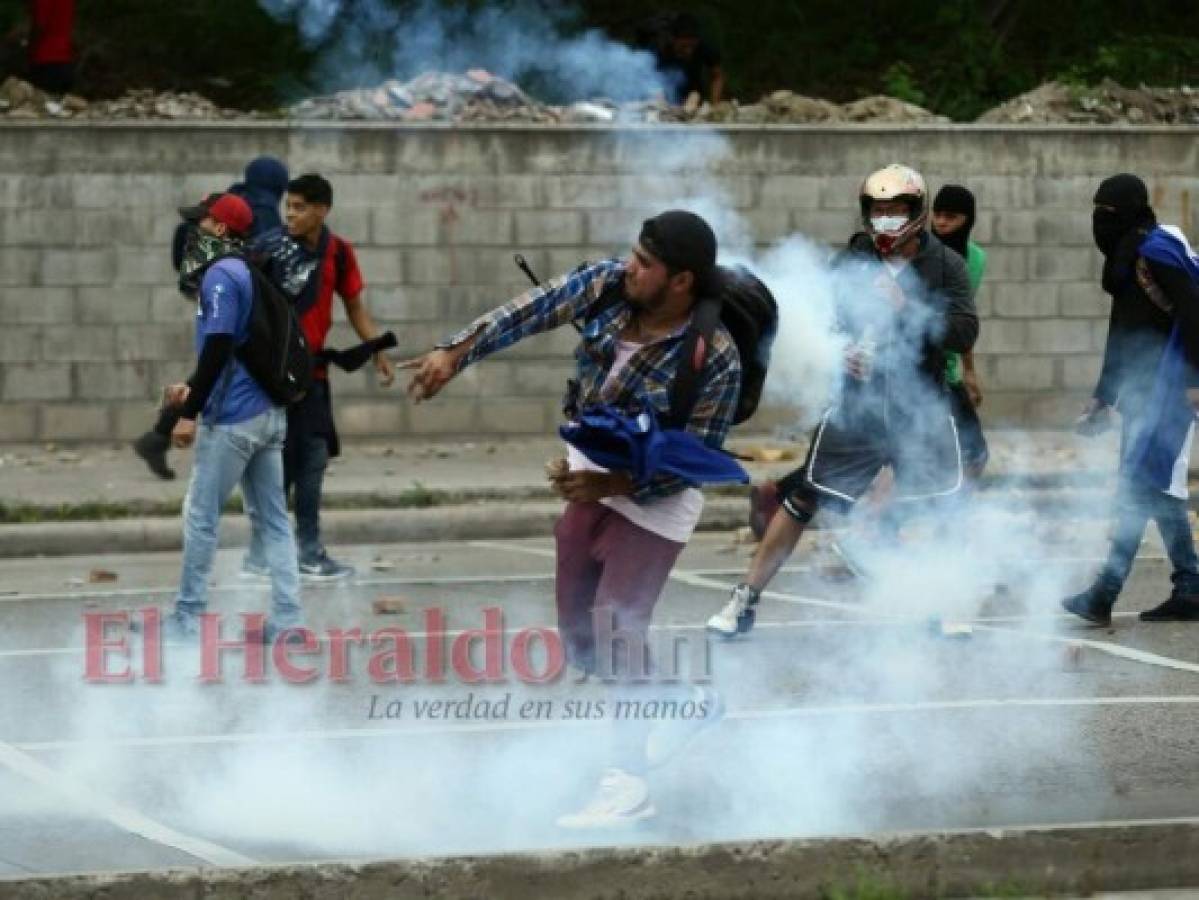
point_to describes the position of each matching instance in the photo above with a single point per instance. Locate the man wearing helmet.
(904, 300)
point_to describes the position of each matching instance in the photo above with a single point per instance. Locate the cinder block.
(131, 419)
(513, 416)
(144, 266)
(20, 344)
(616, 227)
(393, 225)
(767, 226)
(830, 226)
(1024, 373)
(18, 421)
(380, 265)
(396, 306)
(1059, 336)
(507, 192)
(1084, 300)
(168, 342)
(37, 228)
(1065, 228)
(1004, 408)
(1003, 336)
(789, 192)
(77, 267)
(1024, 300)
(111, 305)
(22, 266)
(1013, 227)
(840, 191)
(374, 419)
(582, 192)
(167, 306)
(1080, 372)
(1007, 264)
(353, 222)
(1001, 192)
(44, 306)
(549, 227)
(76, 422)
(1062, 263)
(486, 227)
(1074, 192)
(36, 381)
(457, 265)
(445, 414)
(79, 343)
(1055, 410)
(114, 381)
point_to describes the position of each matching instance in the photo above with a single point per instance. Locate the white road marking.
(1118, 650)
(124, 817)
(790, 712)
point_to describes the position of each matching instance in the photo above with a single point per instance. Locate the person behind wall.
(952, 222)
(1150, 375)
(51, 61)
(239, 438)
(263, 186)
(891, 409)
(617, 541)
(309, 264)
(688, 63)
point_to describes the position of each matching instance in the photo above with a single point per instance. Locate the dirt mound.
(1108, 103)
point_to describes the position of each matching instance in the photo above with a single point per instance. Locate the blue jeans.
(305, 459)
(1136, 504)
(251, 453)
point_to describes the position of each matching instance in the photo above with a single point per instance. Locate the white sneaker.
(620, 800)
(668, 737)
(737, 617)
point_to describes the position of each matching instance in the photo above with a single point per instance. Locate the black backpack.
(276, 352)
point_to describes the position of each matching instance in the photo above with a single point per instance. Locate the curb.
(496, 517)
(1035, 861)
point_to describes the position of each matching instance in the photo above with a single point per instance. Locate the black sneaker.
(324, 568)
(176, 627)
(1094, 604)
(1178, 608)
(152, 447)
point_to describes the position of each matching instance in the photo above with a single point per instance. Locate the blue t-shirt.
(226, 298)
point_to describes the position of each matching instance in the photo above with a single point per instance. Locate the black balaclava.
(684, 242)
(953, 198)
(1118, 231)
(1129, 201)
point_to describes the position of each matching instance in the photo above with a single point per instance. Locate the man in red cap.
(240, 436)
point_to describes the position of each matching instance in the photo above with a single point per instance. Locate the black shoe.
(1179, 608)
(1094, 604)
(152, 447)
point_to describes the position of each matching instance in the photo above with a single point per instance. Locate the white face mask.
(887, 224)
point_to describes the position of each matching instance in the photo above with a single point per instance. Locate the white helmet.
(895, 182)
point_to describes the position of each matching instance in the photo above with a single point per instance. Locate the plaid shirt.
(647, 376)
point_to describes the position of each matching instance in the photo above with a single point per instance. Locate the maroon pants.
(608, 570)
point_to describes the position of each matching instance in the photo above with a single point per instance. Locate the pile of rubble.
(479, 96)
(1108, 103)
(21, 100)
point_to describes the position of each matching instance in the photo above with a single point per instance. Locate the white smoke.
(536, 44)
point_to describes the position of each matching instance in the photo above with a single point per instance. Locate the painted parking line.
(1117, 650)
(124, 817)
(746, 715)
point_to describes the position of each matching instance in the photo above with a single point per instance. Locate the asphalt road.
(850, 709)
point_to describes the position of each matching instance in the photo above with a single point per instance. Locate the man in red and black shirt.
(310, 263)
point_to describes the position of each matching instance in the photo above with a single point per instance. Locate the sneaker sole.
(317, 576)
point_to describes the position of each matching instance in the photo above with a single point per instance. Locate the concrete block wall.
(93, 326)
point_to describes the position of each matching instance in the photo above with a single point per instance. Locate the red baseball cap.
(229, 209)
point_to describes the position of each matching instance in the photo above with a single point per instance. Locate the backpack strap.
(693, 355)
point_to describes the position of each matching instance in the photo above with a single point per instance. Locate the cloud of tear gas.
(536, 44)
